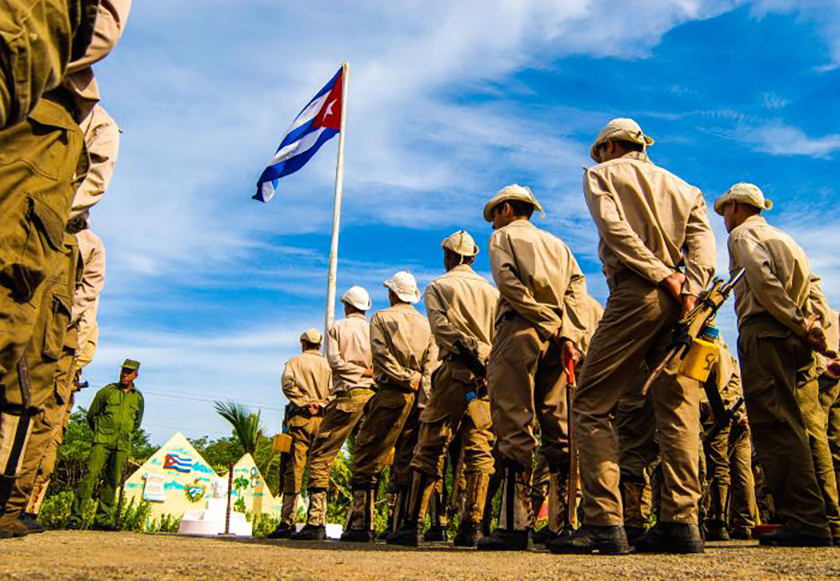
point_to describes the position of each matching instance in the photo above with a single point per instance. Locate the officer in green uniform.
(114, 415)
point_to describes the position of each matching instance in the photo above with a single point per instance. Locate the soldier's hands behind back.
(673, 283)
(815, 337)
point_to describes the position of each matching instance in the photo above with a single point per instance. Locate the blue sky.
(448, 102)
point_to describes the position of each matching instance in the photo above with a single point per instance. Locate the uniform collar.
(749, 223)
(461, 268)
(637, 155)
(355, 316)
(520, 224)
(403, 307)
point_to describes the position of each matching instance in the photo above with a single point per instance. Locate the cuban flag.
(319, 122)
(176, 462)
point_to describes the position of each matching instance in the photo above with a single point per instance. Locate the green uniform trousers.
(341, 416)
(636, 328)
(781, 393)
(830, 402)
(112, 461)
(37, 40)
(381, 428)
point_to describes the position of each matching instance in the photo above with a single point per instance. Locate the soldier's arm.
(575, 304)
(93, 280)
(95, 408)
(430, 363)
(386, 369)
(445, 333)
(765, 285)
(616, 233)
(102, 139)
(516, 294)
(293, 392)
(699, 249)
(138, 419)
(335, 357)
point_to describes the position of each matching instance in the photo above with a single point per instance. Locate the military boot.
(671, 537)
(287, 517)
(408, 535)
(391, 500)
(637, 505)
(11, 526)
(31, 522)
(589, 539)
(557, 507)
(785, 537)
(515, 518)
(472, 511)
(359, 527)
(436, 532)
(314, 530)
(716, 529)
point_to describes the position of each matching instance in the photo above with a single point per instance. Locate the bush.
(165, 524)
(263, 524)
(133, 516)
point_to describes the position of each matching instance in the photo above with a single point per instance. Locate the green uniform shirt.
(114, 415)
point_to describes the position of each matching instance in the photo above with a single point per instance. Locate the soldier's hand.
(688, 304)
(415, 381)
(673, 284)
(568, 352)
(314, 408)
(368, 372)
(815, 337)
(832, 369)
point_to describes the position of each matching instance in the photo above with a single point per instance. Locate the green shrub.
(165, 524)
(263, 524)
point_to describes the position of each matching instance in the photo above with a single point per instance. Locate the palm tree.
(246, 424)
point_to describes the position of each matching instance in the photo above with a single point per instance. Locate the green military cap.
(131, 364)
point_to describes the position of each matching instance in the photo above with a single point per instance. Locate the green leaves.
(246, 425)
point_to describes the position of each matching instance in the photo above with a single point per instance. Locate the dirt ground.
(77, 555)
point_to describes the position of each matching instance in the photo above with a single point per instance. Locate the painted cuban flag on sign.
(178, 463)
(319, 122)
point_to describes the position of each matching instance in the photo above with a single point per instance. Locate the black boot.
(544, 536)
(604, 540)
(671, 537)
(31, 522)
(512, 532)
(716, 531)
(785, 537)
(468, 534)
(310, 533)
(414, 510)
(283, 531)
(359, 528)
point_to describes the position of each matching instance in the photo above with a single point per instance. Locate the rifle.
(688, 329)
(571, 496)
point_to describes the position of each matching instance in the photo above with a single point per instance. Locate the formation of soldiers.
(492, 375)
(59, 148)
(529, 384)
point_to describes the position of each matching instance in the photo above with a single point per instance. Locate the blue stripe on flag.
(291, 165)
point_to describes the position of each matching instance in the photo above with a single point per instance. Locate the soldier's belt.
(354, 391)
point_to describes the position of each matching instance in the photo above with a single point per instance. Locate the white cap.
(404, 286)
(357, 297)
(461, 243)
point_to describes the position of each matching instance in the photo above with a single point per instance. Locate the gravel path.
(77, 555)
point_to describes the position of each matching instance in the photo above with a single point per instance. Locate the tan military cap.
(357, 297)
(311, 336)
(511, 192)
(746, 194)
(404, 286)
(461, 243)
(621, 129)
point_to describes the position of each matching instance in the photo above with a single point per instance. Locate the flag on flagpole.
(319, 122)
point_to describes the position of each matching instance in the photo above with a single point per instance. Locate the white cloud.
(773, 101)
(778, 138)
(824, 13)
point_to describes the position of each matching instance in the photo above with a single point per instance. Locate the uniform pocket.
(59, 319)
(32, 234)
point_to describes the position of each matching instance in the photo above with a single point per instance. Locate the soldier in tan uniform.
(306, 384)
(658, 253)
(539, 329)
(780, 326)
(404, 354)
(830, 397)
(348, 352)
(37, 254)
(461, 307)
(37, 41)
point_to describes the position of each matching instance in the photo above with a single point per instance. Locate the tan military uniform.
(38, 40)
(461, 306)
(349, 355)
(830, 399)
(306, 381)
(651, 223)
(404, 353)
(102, 137)
(773, 302)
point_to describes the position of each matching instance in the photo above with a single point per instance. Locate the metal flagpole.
(339, 184)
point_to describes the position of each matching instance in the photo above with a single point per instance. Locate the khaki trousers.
(781, 393)
(636, 327)
(742, 507)
(404, 449)
(638, 448)
(381, 427)
(302, 429)
(444, 417)
(341, 416)
(527, 384)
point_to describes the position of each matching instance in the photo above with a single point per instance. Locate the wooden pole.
(339, 185)
(229, 493)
